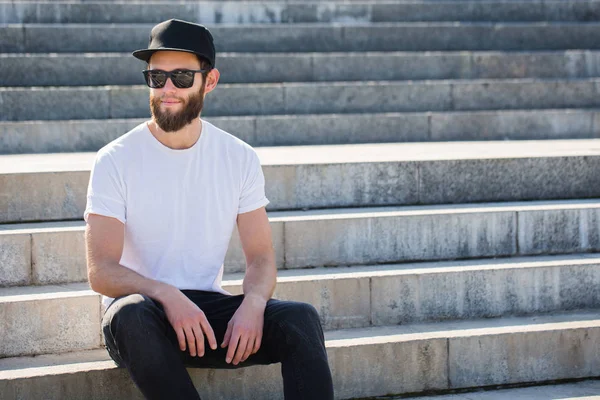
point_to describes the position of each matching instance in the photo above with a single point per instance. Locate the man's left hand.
(244, 330)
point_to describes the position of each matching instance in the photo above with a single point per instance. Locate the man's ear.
(212, 78)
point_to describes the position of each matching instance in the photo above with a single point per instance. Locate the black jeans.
(140, 338)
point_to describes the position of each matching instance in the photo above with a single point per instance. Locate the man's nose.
(169, 86)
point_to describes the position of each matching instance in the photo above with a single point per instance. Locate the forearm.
(261, 275)
(114, 280)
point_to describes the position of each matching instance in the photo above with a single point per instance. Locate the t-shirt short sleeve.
(253, 195)
(105, 194)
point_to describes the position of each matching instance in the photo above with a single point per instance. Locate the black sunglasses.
(181, 78)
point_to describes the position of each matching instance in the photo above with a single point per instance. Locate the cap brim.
(145, 54)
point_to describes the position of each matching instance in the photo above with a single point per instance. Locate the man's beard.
(170, 121)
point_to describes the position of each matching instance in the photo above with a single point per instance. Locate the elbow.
(93, 282)
(95, 279)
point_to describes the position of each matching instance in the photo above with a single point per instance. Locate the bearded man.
(162, 203)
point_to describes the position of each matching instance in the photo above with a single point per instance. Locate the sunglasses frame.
(169, 75)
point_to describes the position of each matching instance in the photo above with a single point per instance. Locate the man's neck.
(178, 140)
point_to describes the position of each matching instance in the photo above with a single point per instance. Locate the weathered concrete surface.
(567, 391)
(53, 195)
(55, 103)
(462, 181)
(364, 362)
(51, 186)
(90, 374)
(38, 320)
(15, 258)
(54, 253)
(230, 100)
(202, 12)
(320, 129)
(58, 256)
(89, 69)
(506, 65)
(392, 294)
(212, 12)
(12, 40)
(61, 136)
(349, 236)
(525, 354)
(363, 366)
(483, 289)
(526, 94)
(51, 253)
(91, 135)
(379, 237)
(426, 371)
(107, 102)
(353, 97)
(342, 302)
(320, 37)
(403, 234)
(315, 129)
(400, 294)
(550, 230)
(337, 184)
(513, 125)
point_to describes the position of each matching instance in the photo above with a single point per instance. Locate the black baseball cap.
(178, 35)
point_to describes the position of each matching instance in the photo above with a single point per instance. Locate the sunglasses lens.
(183, 79)
(155, 79)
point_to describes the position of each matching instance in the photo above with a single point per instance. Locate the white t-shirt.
(179, 207)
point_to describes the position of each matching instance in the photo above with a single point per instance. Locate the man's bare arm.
(257, 242)
(244, 331)
(104, 238)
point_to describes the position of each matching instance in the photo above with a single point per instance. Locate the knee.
(128, 315)
(303, 332)
(304, 319)
(306, 313)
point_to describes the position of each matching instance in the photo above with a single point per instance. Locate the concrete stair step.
(102, 102)
(45, 187)
(237, 1)
(235, 12)
(321, 129)
(87, 69)
(320, 37)
(364, 362)
(53, 253)
(51, 319)
(586, 389)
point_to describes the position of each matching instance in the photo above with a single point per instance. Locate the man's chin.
(171, 126)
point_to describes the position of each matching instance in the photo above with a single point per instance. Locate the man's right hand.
(188, 321)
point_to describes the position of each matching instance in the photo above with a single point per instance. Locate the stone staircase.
(459, 261)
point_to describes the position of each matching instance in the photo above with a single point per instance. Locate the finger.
(249, 348)
(227, 335)
(257, 343)
(199, 340)
(191, 340)
(208, 331)
(180, 338)
(235, 337)
(241, 349)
